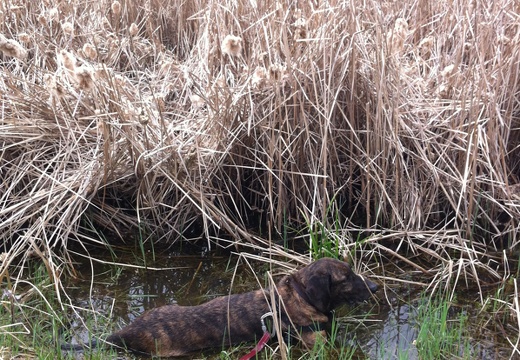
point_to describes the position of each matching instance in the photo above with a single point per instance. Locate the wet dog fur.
(304, 300)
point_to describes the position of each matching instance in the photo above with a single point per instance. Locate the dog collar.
(299, 290)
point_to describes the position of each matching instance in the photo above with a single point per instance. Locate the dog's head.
(329, 283)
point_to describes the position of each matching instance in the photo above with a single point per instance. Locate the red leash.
(263, 340)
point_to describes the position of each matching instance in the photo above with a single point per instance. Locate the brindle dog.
(304, 301)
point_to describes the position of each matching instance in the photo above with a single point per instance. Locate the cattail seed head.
(90, 51)
(53, 14)
(116, 7)
(42, 19)
(425, 47)
(24, 37)
(447, 71)
(259, 76)
(67, 28)
(196, 101)
(84, 77)
(133, 29)
(232, 45)
(300, 26)
(67, 59)
(53, 86)
(12, 48)
(396, 37)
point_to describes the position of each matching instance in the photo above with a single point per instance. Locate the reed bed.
(394, 123)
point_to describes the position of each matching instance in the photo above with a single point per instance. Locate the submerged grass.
(32, 320)
(390, 130)
(443, 333)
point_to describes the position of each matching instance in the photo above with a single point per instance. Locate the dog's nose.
(372, 286)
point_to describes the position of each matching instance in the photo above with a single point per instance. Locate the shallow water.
(120, 294)
(395, 326)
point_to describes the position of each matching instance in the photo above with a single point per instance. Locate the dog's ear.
(318, 291)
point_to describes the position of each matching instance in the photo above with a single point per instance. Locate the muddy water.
(395, 327)
(120, 294)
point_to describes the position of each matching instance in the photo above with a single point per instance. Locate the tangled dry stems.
(159, 115)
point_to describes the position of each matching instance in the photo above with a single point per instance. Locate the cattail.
(276, 72)
(68, 60)
(42, 19)
(395, 38)
(447, 71)
(232, 45)
(84, 78)
(12, 48)
(53, 14)
(53, 86)
(116, 7)
(24, 37)
(133, 29)
(300, 26)
(196, 101)
(90, 51)
(67, 28)
(425, 47)
(259, 76)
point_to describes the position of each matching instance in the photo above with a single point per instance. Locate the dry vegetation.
(398, 120)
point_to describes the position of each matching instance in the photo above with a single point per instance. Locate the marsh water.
(117, 294)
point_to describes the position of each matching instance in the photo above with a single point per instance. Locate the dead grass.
(395, 120)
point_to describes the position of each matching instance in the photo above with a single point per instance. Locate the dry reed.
(400, 119)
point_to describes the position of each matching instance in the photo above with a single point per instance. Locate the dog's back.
(174, 330)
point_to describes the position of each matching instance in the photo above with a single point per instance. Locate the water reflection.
(393, 336)
(395, 327)
(122, 294)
